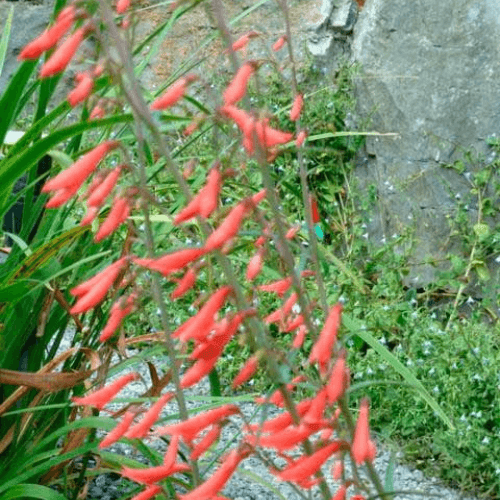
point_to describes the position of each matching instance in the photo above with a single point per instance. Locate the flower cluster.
(310, 425)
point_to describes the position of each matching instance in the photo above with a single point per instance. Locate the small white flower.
(470, 300)
(463, 418)
(475, 350)
(369, 371)
(383, 241)
(477, 377)
(366, 235)
(486, 440)
(409, 363)
(395, 236)
(435, 390)
(385, 308)
(296, 309)
(432, 371)
(383, 341)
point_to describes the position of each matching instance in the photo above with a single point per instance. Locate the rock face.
(30, 19)
(429, 73)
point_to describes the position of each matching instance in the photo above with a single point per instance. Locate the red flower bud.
(81, 91)
(63, 55)
(103, 396)
(296, 108)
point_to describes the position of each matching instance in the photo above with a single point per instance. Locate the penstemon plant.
(309, 431)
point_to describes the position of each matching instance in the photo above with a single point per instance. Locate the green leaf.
(355, 327)
(32, 491)
(12, 95)
(482, 230)
(4, 41)
(389, 473)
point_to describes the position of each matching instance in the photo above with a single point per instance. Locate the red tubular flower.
(91, 292)
(296, 108)
(196, 327)
(141, 429)
(270, 137)
(242, 119)
(255, 265)
(190, 428)
(243, 40)
(117, 216)
(184, 284)
(362, 447)
(206, 441)
(122, 6)
(111, 271)
(118, 431)
(300, 336)
(153, 474)
(216, 482)
(292, 232)
(246, 372)
(287, 438)
(340, 495)
(229, 227)
(301, 138)
(171, 453)
(50, 37)
(148, 493)
(282, 421)
(280, 43)
(82, 90)
(173, 94)
(337, 469)
(102, 191)
(237, 88)
(280, 287)
(119, 310)
(103, 396)
(63, 55)
(338, 381)
(205, 202)
(172, 262)
(294, 323)
(89, 216)
(306, 466)
(97, 112)
(200, 369)
(280, 315)
(73, 177)
(322, 349)
(314, 415)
